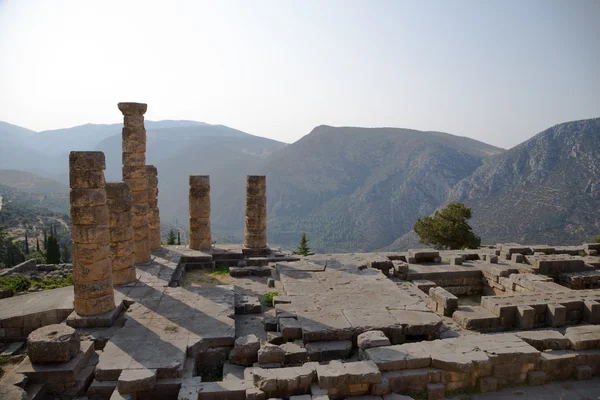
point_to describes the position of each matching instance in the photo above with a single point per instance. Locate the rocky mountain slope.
(545, 190)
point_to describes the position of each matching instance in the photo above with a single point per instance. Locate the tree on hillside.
(37, 244)
(45, 240)
(178, 238)
(171, 238)
(448, 229)
(303, 249)
(52, 251)
(26, 244)
(598, 239)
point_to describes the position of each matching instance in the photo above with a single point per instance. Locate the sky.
(495, 71)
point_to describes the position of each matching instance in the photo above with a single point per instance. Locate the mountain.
(355, 189)
(31, 183)
(545, 190)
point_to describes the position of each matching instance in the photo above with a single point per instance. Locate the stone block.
(583, 372)
(591, 312)
(516, 258)
(446, 302)
(545, 339)
(488, 384)
(52, 344)
(536, 378)
(269, 354)
(369, 339)
(525, 317)
(556, 315)
(245, 350)
(136, 380)
(436, 391)
(290, 328)
(583, 337)
(329, 350)
(337, 374)
(424, 285)
(87, 160)
(11, 392)
(295, 352)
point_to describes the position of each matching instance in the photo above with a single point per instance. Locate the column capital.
(131, 109)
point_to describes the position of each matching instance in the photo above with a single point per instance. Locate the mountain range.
(349, 189)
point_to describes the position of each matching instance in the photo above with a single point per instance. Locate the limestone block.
(255, 234)
(88, 197)
(138, 186)
(121, 234)
(290, 328)
(90, 215)
(52, 344)
(556, 315)
(90, 234)
(133, 109)
(86, 179)
(525, 317)
(86, 160)
(295, 352)
(269, 353)
(123, 276)
(329, 350)
(99, 305)
(136, 380)
(591, 312)
(133, 120)
(245, 350)
(435, 391)
(134, 158)
(536, 378)
(516, 257)
(90, 253)
(120, 219)
(488, 384)
(134, 133)
(12, 392)
(446, 302)
(583, 337)
(545, 339)
(369, 339)
(90, 290)
(583, 372)
(97, 271)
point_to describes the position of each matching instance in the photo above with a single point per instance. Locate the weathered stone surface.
(255, 235)
(136, 380)
(11, 392)
(329, 350)
(132, 109)
(295, 352)
(583, 337)
(245, 350)
(545, 339)
(270, 353)
(337, 374)
(398, 357)
(199, 208)
(86, 161)
(446, 302)
(371, 339)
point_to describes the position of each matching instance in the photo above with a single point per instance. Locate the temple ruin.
(417, 324)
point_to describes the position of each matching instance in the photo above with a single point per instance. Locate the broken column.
(134, 174)
(153, 213)
(199, 208)
(255, 236)
(90, 234)
(118, 199)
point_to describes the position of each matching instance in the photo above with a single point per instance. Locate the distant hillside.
(545, 190)
(354, 189)
(31, 183)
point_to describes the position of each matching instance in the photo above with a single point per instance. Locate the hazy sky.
(497, 71)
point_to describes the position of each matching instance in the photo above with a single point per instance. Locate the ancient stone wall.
(255, 236)
(199, 208)
(92, 269)
(134, 174)
(121, 232)
(153, 212)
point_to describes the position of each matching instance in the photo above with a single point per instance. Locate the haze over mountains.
(351, 189)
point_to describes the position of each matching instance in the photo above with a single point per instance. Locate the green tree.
(26, 244)
(448, 229)
(53, 251)
(303, 249)
(171, 238)
(37, 244)
(597, 239)
(178, 238)
(45, 240)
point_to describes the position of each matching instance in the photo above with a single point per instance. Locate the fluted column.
(90, 234)
(134, 174)
(118, 198)
(255, 236)
(153, 213)
(199, 208)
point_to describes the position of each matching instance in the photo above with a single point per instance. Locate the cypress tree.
(303, 249)
(178, 238)
(26, 244)
(45, 240)
(37, 244)
(53, 251)
(171, 238)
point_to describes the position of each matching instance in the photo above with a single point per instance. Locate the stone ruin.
(421, 323)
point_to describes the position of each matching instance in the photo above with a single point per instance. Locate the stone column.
(134, 174)
(199, 204)
(118, 199)
(255, 236)
(90, 234)
(153, 213)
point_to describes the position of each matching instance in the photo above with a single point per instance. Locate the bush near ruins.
(448, 229)
(171, 238)
(597, 239)
(303, 249)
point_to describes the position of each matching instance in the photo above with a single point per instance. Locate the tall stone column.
(118, 199)
(199, 208)
(90, 234)
(255, 236)
(134, 174)
(153, 212)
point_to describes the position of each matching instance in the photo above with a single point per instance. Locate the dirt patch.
(206, 277)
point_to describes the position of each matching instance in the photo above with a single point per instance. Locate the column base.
(261, 251)
(105, 320)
